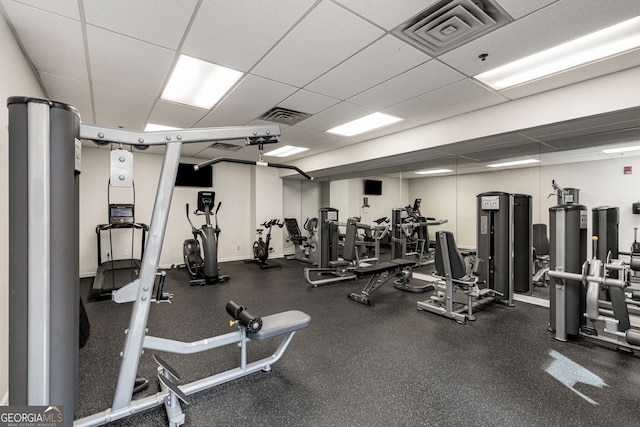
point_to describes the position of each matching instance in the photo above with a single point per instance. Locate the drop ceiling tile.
(562, 21)
(377, 63)
(387, 130)
(73, 92)
(175, 115)
(146, 65)
(309, 50)
(56, 47)
(217, 119)
(237, 34)
(254, 96)
(161, 22)
(447, 96)
(518, 8)
(417, 81)
(461, 108)
(201, 150)
(119, 108)
(294, 135)
(335, 116)
(387, 17)
(308, 102)
(68, 8)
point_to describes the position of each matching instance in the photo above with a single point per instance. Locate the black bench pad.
(383, 267)
(281, 323)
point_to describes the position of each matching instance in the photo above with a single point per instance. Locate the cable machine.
(45, 150)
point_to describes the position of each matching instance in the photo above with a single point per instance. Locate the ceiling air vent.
(451, 23)
(284, 116)
(223, 146)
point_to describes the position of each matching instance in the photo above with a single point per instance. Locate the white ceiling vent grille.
(284, 116)
(451, 23)
(224, 146)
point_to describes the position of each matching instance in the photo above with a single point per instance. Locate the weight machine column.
(398, 242)
(43, 253)
(568, 251)
(327, 236)
(605, 222)
(495, 242)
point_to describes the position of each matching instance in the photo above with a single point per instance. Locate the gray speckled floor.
(387, 365)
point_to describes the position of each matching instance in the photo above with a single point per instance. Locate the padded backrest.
(540, 239)
(292, 227)
(350, 239)
(458, 268)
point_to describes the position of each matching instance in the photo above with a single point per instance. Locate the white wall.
(16, 79)
(249, 197)
(347, 196)
(600, 183)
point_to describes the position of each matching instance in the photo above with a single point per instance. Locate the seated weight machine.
(410, 235)
(452, 272)
(610, 320)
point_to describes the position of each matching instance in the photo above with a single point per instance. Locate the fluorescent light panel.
(285, 151)
(199, 83)
(610, 41)
(433, 171)
(150, 127)
(514, 163)
(364, 124)
(621, 149)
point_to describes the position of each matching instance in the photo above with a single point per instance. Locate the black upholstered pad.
(383, 267)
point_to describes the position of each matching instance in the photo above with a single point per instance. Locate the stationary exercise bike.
(261, 247)
(203, 270)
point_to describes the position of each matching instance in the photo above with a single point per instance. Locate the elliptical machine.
(203, 270)
(261, 248)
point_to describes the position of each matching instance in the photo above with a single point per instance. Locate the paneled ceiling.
(336, 60)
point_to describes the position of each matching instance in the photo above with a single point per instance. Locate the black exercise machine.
(305, 248)
(121, 217)
(261, 248)
(399, 269)
(203, 269)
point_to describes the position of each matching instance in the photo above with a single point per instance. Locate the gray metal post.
(140, 313)
(43, 288)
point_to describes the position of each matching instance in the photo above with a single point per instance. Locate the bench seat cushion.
(383, 267)
(281, 323)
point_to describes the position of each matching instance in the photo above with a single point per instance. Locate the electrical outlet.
(127, 252)
(238, 248)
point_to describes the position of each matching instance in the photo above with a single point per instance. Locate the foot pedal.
(164, 365)
(173, 388)
(361, 299)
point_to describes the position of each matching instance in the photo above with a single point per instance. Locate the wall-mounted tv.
(372, 187)
(188, 177)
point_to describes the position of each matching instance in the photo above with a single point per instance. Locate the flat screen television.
(188, 177)
(372, 187)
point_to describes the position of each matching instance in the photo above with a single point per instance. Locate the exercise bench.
(400, 267)
(249, 328)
